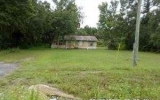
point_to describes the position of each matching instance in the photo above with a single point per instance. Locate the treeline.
(118, 26)
(25, 23)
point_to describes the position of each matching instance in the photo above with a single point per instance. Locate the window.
(91, 44)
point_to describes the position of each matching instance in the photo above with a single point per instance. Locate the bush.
(116, 43)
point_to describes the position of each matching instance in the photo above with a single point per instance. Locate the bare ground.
(7, 68)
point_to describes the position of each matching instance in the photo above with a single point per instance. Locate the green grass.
(86, 73)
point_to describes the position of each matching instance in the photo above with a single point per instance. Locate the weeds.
(85, 73)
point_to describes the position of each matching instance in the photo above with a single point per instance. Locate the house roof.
(80, 38)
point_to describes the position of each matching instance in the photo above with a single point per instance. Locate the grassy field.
(84, 73)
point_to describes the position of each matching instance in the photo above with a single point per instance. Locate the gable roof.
(80, 38)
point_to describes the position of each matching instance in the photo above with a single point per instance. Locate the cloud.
(90, 10)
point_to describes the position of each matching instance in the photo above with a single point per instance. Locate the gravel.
(6, 68)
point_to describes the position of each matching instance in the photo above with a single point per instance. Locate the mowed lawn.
(85, 73)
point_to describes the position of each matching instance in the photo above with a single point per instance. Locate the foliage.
(25, 23)
(90, 31)
(66, 18)
(111, 24)
(119, 25)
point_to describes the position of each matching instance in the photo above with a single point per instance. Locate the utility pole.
(136, 43)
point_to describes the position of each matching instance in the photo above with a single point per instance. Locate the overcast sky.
(90, 10)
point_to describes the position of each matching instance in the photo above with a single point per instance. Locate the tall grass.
(19, 93)
(85, 73)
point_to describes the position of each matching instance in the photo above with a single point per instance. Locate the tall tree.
(136, 43)
(22, 22)
(111, 23)
(66, 18)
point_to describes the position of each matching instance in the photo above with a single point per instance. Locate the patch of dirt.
(7, 68)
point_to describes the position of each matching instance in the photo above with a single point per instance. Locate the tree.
(118, 28)
(111, 24)
(90, 31)
(14, 15)
(66, 18)
(154, 40)
(136, 43)
(26, 23)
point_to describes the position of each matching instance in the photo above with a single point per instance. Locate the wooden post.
(136, 43)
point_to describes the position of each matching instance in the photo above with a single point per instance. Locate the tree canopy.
(118, 26)
(25, 23)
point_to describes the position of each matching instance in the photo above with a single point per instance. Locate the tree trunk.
(136, 44)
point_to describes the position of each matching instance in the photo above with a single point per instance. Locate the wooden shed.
(80, 42)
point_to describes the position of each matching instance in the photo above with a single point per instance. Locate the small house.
(80, 42)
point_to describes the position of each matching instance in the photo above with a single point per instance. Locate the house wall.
(92, 45)
(57, 46)
(81, 44)
(70, 44)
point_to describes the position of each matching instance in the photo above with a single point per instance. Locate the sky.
(90, 11)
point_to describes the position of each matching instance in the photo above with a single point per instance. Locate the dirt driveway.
(6, 68)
